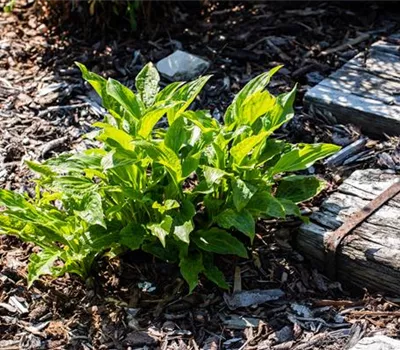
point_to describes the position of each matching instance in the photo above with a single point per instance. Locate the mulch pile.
(136, 302)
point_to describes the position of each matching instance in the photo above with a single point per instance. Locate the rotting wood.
(370, 256)
(365, 91)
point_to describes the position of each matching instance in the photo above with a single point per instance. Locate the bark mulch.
(137, 302)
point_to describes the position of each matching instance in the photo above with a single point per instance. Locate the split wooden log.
(369, 257)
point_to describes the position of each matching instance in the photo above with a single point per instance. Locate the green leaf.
(114, 137)
(73, 184)
(99, 85)
(255, 85)
(303, 157)
(213, 273)
(146, 83)
(152, 116)
(40, 168)
(299, 188)
(213, 175)
(202, 120)
(14, 201)
(290, 207)
(242, 193)
(264, 203)
(177, 135)
(41, 264)
(243, 221)
(132, 236)
(219, 241)
(186, 94)
(183, 221)
(125, 97)
(168, 92)
(162, 229)
(191, 266)
(169, 204)
(243, 148)
(190, 164)
(92, 209)
(255, 106)
(163, 155)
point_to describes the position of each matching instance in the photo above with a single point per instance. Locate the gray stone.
(378, 342)
(182, 66)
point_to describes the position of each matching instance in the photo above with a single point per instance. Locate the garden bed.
(136, 301)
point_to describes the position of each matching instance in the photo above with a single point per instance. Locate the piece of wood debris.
(346, 152)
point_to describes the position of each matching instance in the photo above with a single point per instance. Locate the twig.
(59, 108)
(375, 313)
(344, 46)
(47, 147)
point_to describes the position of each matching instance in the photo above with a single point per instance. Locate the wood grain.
(370, 256)
(364, 92)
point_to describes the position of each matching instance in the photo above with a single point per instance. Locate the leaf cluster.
(184, 193)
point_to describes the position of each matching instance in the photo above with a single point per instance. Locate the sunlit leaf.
(147, 84)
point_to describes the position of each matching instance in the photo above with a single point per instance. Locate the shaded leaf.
(299, 188)
(132, 236)
(243, 221)
(264, 203)
(213, 273)
(219, 241)
(191, 266)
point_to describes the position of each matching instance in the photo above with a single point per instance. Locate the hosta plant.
(182, 193)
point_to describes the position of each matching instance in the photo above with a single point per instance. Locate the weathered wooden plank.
(364, 84)
(374, 117)
(370, 255)
(378, 63)
(365, 91)
(386, 47)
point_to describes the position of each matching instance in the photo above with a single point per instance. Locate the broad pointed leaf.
(41, 264)
(191, 266)
(303, 157)
(132, 236)
(219, 241)
(243, 221)
(243, 148)
(255, 85)
(242, 193)
(162, 229)
(299, 188)
(125, 97)
(147, 84)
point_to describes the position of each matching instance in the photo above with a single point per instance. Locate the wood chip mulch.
(136, 302)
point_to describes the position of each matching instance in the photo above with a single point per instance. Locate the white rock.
(378, 342)
(182, 66)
